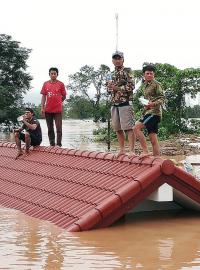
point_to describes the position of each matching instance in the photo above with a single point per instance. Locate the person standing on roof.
(152, 113)
(53, 94)
(120, 88)
(32, 135)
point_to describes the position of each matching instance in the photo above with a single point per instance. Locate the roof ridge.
(88, 154)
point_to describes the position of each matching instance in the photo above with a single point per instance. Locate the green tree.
(14, 80)
(192, 112)
(78, 107)
(90, 80)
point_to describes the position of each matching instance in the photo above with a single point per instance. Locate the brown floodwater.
(150, 240)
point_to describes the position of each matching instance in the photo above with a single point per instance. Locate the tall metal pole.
(108, 104)
(116, 17)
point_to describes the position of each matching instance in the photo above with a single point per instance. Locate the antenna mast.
(116, 17)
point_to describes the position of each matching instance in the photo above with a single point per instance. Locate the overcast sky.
(70, 34)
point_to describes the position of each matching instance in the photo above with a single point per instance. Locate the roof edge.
(89, 220)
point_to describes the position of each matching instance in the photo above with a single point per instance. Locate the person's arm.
(159, 100)
(44, 97)
(109, 83)
(110, 87)
(20, 128)
(29, 126)
(43, 102)
(63, 92)
(130, 86)
(126, 85)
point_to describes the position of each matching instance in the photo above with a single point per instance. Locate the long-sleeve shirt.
(153, 92)
(123, 79)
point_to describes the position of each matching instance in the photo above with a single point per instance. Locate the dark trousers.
(57, 117)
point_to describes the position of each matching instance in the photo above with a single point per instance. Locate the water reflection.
(165, 247)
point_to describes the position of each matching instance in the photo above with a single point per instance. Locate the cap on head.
(118, 54)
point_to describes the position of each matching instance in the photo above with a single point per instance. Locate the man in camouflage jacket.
(120, 87)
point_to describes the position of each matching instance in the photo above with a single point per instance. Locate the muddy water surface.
(153, 241)
(141, 241)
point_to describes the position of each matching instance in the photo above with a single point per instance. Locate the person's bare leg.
(131, 140)
(155, 144)
(18, 143)
(121, 140)
(27, 142)
(140, 135)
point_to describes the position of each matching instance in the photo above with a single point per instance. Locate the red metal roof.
(82, 190)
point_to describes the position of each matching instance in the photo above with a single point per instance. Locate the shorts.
(122, 117)
(151, 123)
(34, 139)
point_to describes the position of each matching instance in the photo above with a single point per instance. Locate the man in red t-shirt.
(53, 94)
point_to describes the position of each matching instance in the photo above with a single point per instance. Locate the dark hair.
(149, 67)
(53, 69)
(30, 110)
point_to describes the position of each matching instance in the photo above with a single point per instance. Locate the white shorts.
(122, 117)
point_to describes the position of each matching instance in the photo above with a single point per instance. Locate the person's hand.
(149, 105)
(111, 86)
(24, 118)
(43, 112)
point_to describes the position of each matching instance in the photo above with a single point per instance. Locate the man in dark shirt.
(32, 135)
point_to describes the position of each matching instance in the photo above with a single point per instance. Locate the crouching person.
(32, 135)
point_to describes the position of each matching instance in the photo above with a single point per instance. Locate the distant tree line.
(84, 82)
(192, 112)
(88, 97)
